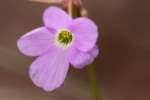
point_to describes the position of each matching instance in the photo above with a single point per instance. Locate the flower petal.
(80, 59)
(55, 17)
(49, 71)
(36, 42)
(94, 52)
(85, 32)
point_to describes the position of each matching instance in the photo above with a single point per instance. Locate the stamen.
(64, 38)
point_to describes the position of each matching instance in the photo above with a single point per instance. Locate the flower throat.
(64, 38)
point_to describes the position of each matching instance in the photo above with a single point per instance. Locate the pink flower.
(61, 42)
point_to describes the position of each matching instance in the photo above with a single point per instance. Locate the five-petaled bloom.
(60, 42)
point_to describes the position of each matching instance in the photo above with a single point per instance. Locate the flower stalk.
(75, 11)
(73, 8)
(93, 82)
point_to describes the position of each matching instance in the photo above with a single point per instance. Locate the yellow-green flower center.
(64, 38)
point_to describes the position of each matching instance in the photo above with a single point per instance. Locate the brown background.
(123, 67)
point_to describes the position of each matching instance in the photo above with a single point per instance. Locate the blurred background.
(123, 67)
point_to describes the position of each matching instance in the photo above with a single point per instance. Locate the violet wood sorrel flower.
(60, 42)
